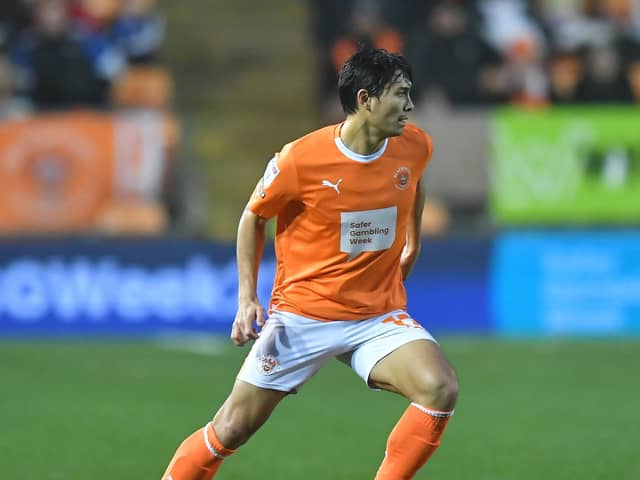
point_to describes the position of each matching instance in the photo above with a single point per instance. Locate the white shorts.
(292, 348)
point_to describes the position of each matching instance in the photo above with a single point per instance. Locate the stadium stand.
(468, 55)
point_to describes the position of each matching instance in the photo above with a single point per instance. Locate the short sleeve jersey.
(342, 222)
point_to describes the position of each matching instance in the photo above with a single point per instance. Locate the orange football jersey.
(342, 220)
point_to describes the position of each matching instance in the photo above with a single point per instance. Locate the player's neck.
(359, 137)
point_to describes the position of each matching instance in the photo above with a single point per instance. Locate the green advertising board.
(570, 165)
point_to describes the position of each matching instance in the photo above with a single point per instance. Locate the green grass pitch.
(544, 409)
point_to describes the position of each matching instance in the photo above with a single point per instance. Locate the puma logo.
(327, 183)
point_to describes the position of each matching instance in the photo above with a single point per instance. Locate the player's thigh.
(376, 338)
(244, 411)
(419, 371)
(290, 350)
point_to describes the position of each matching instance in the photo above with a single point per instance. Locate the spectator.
(511, 28)
(328, 22)
(139, 31)
(94, 20)
(14, 18)
(508, 23)
(604, 79)
(11, 106)
(457, 60)
(363, 24)
(565, 75)
(57, 70)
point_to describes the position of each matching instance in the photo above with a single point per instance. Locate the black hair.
(372, 70)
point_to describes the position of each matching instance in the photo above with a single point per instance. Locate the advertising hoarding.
(570, 165)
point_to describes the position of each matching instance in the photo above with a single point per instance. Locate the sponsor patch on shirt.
(367, 230)
(270, 173)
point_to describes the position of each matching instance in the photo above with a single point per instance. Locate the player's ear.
(364, 100)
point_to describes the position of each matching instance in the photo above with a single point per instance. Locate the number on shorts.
(402, 320)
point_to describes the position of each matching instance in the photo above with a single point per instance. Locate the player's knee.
(437, 390)
(234, 426)
(233, 431)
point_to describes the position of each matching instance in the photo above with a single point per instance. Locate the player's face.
(390, 112)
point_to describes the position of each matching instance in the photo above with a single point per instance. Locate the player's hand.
(249, 314)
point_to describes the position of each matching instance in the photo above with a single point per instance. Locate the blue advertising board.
(567, 283)
(141, 286)
(118, 286)
(448, 290)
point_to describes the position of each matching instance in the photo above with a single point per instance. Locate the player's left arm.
(411, 249)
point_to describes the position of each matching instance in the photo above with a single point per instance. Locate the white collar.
(356, 156)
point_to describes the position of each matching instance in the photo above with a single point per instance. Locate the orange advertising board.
(62, 172)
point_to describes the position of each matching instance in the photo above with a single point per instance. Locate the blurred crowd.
(59, 54)
(486, 52)
(105, 55)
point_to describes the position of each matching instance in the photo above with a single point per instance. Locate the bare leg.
(244, 412)
(420, 372)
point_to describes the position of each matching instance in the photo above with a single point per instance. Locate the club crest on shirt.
(267, 364)
(401, 177)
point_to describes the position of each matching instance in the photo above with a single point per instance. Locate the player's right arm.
(249, 248)
(277, 187)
